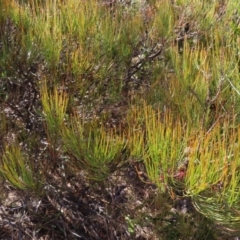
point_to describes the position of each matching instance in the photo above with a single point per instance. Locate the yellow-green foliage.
(19, 170)
(94, 150)
(165, 141)
(135, 132)
(214, 162)
(208, 160)
(54, 105)
(163, 23)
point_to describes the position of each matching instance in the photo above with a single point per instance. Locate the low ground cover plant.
(119, 119)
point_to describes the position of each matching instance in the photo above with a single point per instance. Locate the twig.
(233, 86)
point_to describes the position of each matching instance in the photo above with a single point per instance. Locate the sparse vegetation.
(119, 119)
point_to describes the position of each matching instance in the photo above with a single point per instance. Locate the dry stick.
(214, 124)
(195, 95)
(139, 65)
(233, 86)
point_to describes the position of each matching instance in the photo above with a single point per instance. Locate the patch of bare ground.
(126, 206)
